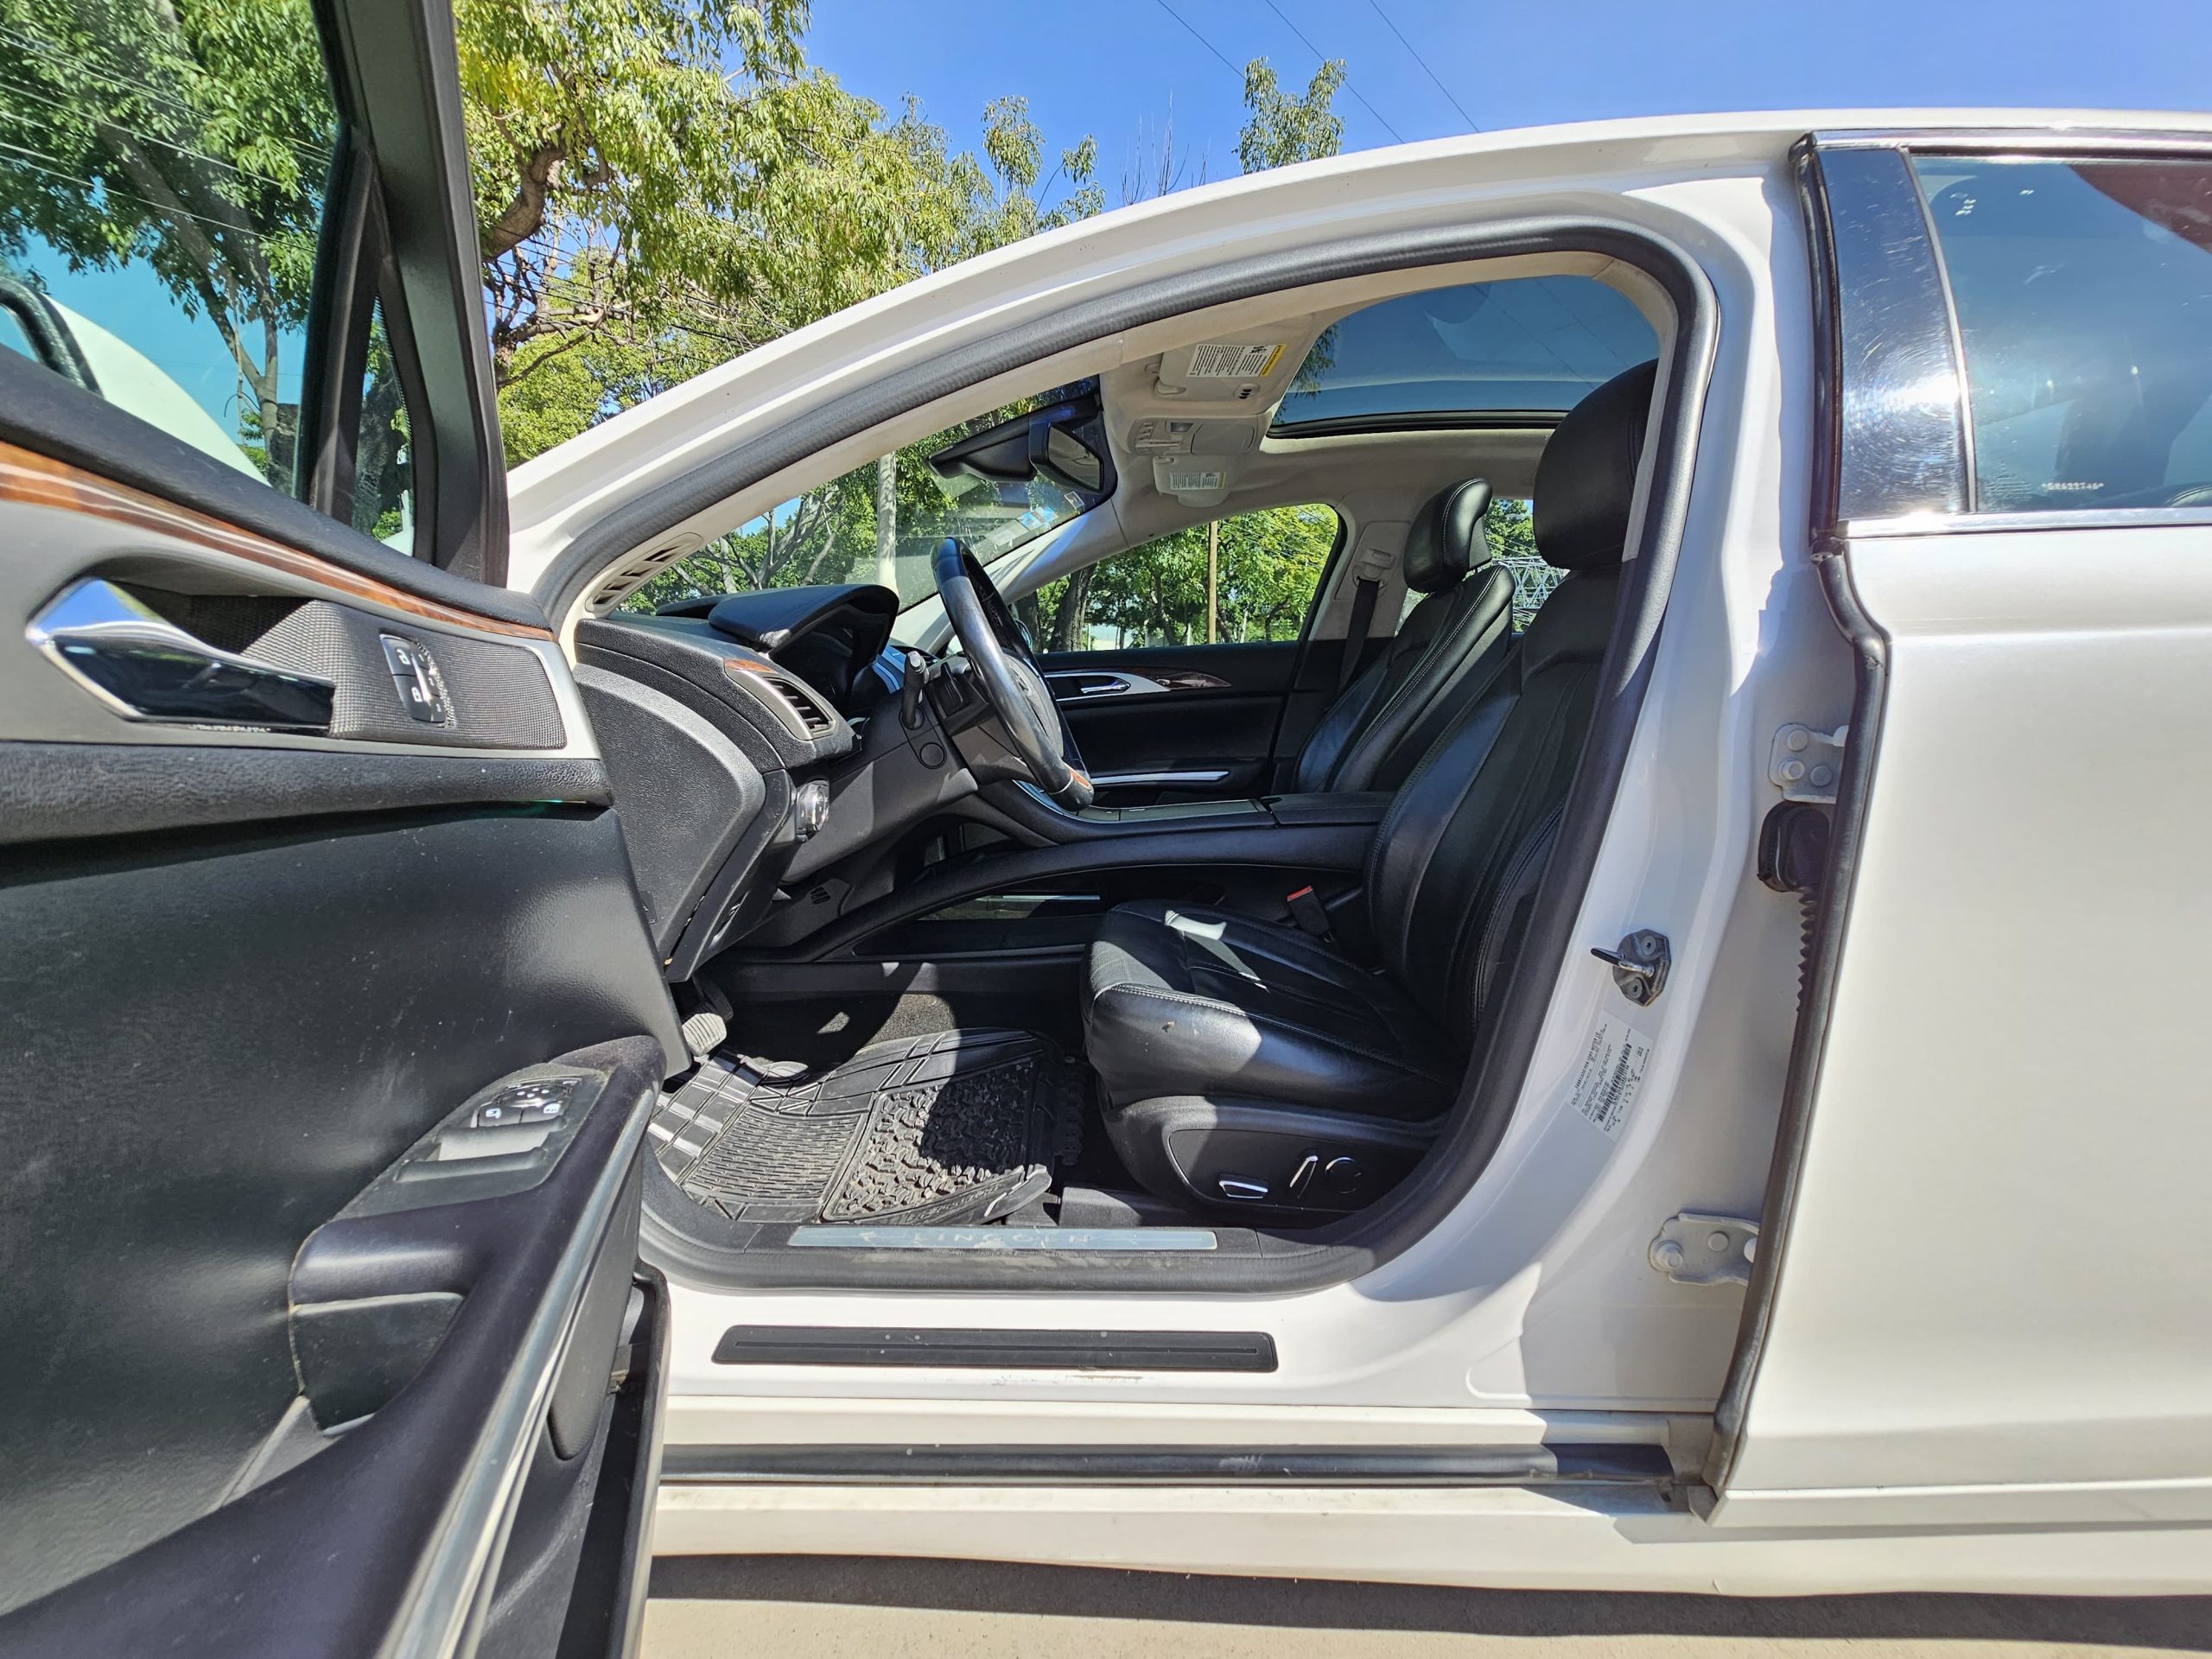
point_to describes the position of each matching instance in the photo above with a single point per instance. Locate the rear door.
(1980, 1289)
(329, 1021)
(1178, 663)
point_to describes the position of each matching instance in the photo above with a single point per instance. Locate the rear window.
(2083, 291)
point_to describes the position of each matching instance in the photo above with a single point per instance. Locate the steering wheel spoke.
(1012, 682)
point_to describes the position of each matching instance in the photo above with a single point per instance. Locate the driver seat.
(1250, 1067)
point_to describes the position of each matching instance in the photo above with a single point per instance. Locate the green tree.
(192, 135)
(646, 214)
(636, 201)
(1271, 561)
(1283, 127)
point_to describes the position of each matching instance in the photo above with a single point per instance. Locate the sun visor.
(1251, 370)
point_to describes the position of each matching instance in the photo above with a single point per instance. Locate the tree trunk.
(887, 522)
(1067, 621)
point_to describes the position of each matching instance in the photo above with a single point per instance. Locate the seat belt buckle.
(1309, 913)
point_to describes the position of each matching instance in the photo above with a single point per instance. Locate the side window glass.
(1251, 577)
(383, 472)
(163, 170)
(2083, 291)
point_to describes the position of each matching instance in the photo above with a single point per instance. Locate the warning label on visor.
(1612, 1072)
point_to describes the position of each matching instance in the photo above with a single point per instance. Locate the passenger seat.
(1448, 649)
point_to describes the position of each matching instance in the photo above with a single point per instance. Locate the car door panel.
(1181, 720)
(245, 972)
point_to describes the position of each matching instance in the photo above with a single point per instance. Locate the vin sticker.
(1612, 1072)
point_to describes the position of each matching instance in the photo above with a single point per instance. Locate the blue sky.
(1123, 70)
(1118, 69)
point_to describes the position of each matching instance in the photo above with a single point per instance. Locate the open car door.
(331, 1025)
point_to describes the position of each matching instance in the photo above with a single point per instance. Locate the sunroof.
(1535, 344)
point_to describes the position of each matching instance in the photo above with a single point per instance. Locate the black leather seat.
(1445, 650)
(1248, 1065)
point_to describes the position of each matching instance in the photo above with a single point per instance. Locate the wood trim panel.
(40, 481)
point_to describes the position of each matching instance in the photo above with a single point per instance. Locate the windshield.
(882, 523)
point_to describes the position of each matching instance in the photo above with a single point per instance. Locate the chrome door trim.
(1894, 453)
(1117, 684)
(1860, 529)
(1892, 418)
(2028, 141)
(102, 637)
(1166, 779)
(1127, 683)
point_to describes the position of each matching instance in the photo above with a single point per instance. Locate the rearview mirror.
(1063, 443)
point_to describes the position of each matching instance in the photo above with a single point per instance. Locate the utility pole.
(887, 522)
(1213, 582)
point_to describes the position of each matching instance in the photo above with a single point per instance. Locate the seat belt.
(1362, 619)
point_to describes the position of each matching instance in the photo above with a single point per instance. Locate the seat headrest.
(1445, 540)
(1586, 478)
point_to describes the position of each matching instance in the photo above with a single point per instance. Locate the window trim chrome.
(2039, 142)
(1988, 523)
(1840, 388)
(1885, 349)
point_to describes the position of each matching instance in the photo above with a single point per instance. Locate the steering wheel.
(1006, 669)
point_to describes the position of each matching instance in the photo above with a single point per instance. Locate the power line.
(1353, 90)
(1199, 38)
(1473, 126)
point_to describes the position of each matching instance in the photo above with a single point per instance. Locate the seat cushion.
(1187, 1000)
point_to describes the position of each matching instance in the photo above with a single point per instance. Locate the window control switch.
(527, 1103)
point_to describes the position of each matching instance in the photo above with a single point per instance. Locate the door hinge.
(1806, 763)
(1693, 1249)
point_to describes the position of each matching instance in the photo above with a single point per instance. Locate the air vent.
(809, 715)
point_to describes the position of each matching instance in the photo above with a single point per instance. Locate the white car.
(1147, 983)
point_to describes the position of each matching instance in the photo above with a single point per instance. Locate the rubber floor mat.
(959, 1126)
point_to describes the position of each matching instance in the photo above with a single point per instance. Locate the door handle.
(1078, 683)
(144, 667)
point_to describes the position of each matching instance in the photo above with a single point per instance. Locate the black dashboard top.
(769, 618)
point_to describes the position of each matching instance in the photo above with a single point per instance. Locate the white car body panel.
(1988, 1321)
(1996, 1272)
(1506, 1538)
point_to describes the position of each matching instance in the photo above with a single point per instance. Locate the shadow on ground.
(2183, 1623)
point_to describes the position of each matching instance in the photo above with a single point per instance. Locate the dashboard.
(731, 725)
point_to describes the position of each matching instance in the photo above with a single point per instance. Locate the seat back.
(1455, 860)
(1449, 647)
